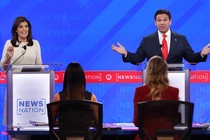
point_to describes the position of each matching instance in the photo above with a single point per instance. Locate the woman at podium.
(21, 49)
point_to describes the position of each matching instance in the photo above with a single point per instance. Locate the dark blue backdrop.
(83, 31)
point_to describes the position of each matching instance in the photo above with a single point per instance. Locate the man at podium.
(165, 43)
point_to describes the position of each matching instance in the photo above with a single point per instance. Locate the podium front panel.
(27, 96)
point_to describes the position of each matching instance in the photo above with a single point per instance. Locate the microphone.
(25, 48)
(161, 45)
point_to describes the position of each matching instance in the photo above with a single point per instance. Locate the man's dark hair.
(163, 11)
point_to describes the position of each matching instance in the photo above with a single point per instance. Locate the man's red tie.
(164, 47)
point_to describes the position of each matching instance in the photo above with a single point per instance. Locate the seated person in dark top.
(74, 88)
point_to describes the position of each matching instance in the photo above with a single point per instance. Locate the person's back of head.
(157, 76)
(74, 85)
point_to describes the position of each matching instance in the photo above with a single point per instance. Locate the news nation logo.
(31, 106)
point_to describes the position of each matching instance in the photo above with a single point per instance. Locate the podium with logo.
(178, 77)
(28, 92)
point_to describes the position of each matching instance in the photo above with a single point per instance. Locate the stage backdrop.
(83, 31)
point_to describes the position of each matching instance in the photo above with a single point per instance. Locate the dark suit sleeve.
(190, 55)
(148, 48)
(137, 57)
(184, 50)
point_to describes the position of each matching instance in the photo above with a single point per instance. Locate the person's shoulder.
(144, 87)
(141, 93)
(177, 34)
(175, 89)
(8, 41)
(56, 97)
(88, 92)
(172, 87)
(154, 34)
(35, 41)
(173, 93)
(92, 96)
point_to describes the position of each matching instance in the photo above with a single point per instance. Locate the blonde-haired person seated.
(156, 87)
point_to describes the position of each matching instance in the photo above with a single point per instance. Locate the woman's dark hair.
(74, 85)
(162, 11)
(16, 23)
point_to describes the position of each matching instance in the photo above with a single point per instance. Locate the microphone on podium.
(25, 48)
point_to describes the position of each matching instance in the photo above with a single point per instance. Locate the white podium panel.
(179, 79)
(27, 96)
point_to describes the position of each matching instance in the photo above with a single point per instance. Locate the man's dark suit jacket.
(179, 49)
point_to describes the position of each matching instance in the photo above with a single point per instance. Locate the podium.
(28, 93)
(178, 77)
